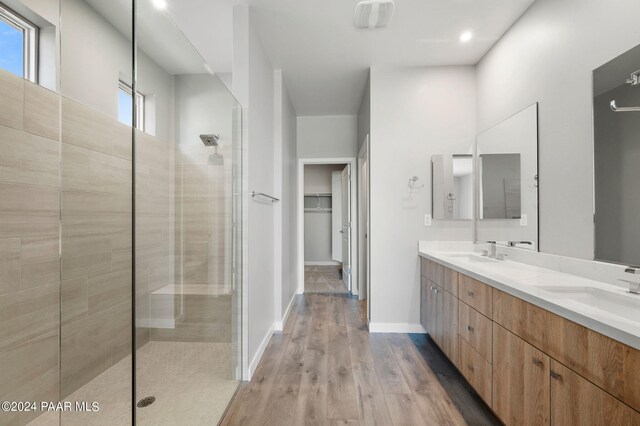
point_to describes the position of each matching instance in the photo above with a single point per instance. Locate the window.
(125, 106)
(18, 44)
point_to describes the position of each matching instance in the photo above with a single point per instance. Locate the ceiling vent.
(372, 14)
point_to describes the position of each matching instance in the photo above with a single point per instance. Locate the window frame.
(30, 38)
(138, 119)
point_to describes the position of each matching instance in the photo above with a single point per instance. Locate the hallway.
(323, 279)
(325, 368)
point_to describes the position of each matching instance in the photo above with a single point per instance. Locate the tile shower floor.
(191, 383)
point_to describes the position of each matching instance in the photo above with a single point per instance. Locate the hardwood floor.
(323, 279)
(326, 369)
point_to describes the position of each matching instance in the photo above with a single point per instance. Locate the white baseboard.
(326, 263)
(263, 346)
(395, 327)
(279, 325)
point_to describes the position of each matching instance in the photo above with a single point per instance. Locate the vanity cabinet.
(439, 309)
(521, 380)
(531, 366)
(577, 401)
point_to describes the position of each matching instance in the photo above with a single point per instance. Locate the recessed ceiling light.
(160, 4)
(466, 36)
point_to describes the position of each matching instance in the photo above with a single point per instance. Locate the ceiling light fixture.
(160, 4)
(371, 14)
(466, 36)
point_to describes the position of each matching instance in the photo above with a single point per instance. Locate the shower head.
(210, 140)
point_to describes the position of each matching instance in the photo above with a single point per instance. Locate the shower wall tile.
(9, 265)
(87, 170)
(85, 254)
(28, 158)
(40, 261)
(28, 210)
(92, 344)
(108, 289)
(29, 372)
(27, 314)
(74, 298)
(12, 100)
(41, 111)
(122, 145)
(86, 128)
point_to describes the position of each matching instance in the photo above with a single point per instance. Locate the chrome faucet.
(634, 286)
(492, 249)
(515, 243)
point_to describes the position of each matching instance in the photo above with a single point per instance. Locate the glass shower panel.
(96, 211)
(186, 151)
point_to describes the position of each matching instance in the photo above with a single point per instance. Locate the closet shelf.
(319, 194)
(317, 210)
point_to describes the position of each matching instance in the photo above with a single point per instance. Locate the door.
(346, 226)
(336, 216)
(576, 401)
(520, 380)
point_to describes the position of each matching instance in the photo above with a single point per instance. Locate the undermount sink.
(623, 305)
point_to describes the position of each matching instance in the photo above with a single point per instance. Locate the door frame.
(364, 218)
(354, 217)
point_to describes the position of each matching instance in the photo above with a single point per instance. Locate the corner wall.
(415, 113)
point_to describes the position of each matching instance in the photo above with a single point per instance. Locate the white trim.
(279, 326)
(395, 327)
(354, 216)
(325, 263)
(258, 356)
(364, 213)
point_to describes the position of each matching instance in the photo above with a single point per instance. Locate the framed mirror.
(616, 118)
(507, 181)
(452, 186)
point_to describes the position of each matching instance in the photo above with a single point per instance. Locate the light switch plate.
(427, 220)
(523, 220)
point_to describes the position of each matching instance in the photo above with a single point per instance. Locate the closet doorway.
(327, 217)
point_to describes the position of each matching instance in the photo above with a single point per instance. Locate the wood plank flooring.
(326, 369)
(323, 279)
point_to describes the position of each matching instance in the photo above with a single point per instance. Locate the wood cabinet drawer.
(475, 369)
(432, 270)
(611, 365)
(475, 294)
(476, 329)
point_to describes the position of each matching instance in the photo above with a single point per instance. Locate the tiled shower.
(119, 262)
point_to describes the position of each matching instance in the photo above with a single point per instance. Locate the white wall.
(317, 177)
(415, 113)
(548, 56)
(90, 75)
(289, 201)
(364, 113)
(327, 136)
(253, 86)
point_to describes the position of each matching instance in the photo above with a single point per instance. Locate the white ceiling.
(324, 58)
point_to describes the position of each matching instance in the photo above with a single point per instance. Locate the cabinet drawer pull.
(556, 376)
(470, 328)
(537, 362)
(470, 367)
(470, 293)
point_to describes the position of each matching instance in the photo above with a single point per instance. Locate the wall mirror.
(616, 113)
(452, 186)
(507, 181)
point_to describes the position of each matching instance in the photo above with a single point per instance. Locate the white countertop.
(608, 309)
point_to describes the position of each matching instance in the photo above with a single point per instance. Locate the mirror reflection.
(452, 186)
(507, 188)
(500, 195)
